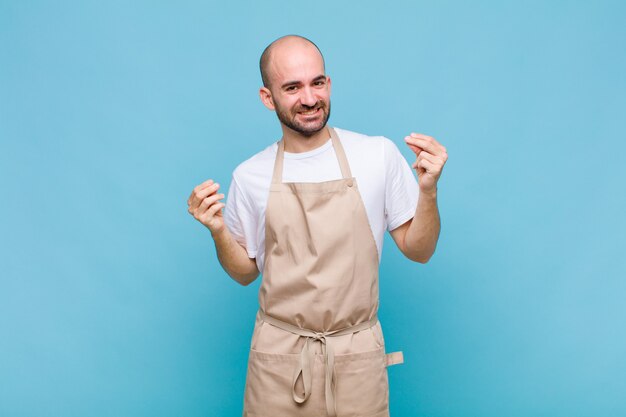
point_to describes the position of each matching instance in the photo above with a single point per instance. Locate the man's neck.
(297, 143)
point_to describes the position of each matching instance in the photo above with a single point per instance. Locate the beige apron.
(317, 347)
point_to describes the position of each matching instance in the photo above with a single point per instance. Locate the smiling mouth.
(311, 112)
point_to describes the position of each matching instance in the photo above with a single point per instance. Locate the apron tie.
(307, 357)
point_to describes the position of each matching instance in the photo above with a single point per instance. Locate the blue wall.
(112, 302)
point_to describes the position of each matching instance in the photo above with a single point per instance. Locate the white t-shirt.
(385, 181)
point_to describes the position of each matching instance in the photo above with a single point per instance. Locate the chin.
(311, 132)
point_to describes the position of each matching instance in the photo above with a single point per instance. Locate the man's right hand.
(205, 206)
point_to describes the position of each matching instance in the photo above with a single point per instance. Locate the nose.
(308, 98)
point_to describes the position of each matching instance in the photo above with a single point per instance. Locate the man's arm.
(234, 258)
(204, 206)
(417, 238)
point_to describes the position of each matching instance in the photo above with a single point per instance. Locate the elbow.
(419, 251)
(242, 273)
(247, 281)
(244, 279)
(421, 257)
(422, 260)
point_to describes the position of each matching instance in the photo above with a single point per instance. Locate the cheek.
(288, 104)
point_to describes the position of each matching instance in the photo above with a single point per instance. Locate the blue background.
(112, 301)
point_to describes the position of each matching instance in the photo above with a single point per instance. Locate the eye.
(291, 88)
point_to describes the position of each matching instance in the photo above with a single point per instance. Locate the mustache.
(319, 105)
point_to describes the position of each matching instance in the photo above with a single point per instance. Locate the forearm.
(234, 258)
(421, 237)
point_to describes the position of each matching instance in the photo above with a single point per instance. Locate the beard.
(309, 128)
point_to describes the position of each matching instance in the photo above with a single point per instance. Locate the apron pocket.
(269, 390)
(362, 387)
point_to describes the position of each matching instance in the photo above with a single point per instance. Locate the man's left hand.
(431, 157)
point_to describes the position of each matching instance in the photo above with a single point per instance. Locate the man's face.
(300, 91)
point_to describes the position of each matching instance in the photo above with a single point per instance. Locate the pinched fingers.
(438, 160)
(415, 149)
(426, 143)
(201, 192)
(427, 166)
(205, 205)
(424, 157)
(199, 209)
(212, 217)
(208, 212)
(432, 164)
(208, 202)
(202, 186)
(212, 211)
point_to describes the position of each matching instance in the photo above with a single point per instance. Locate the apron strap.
(341, 155)
(307, 357)
(277, 176)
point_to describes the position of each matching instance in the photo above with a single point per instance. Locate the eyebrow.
(290, 83)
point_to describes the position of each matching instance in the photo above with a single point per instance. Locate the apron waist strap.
(307, 357)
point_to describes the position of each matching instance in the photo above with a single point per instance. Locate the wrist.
(219, 234)
(430, 194)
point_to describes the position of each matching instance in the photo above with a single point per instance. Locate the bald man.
(310, 211)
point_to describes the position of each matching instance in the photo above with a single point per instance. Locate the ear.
(328, 83)
(266, 97)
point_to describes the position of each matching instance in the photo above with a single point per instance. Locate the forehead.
(295, 61)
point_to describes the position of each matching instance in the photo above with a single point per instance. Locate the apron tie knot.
(304, 369)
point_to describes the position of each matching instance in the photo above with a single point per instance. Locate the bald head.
(281, 47)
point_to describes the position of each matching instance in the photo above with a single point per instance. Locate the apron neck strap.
(277, 176)
(341, 155)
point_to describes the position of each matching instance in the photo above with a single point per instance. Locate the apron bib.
(317, 347)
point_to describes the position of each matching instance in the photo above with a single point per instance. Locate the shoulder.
(258, 165)
(352, 137)
(380, 145)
